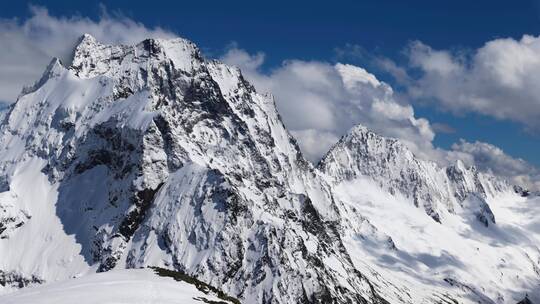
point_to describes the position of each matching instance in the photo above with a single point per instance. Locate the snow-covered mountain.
(152, 155)
(387, 161)
(437, 234)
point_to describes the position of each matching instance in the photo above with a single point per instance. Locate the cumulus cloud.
(28, 46)
(499, 79)
(489, 158)
(319, 102)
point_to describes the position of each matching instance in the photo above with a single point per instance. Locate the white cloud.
(320, 102)
(315, 143)
(28, 46)
(432, 61)
(399, 73)
(489, 158)
(443, 128)
(499, 79)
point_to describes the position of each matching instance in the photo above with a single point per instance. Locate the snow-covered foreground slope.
(151, 155)
(132, 286)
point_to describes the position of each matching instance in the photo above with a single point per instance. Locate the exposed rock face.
(14, 279)
(11, 218)
(525, 301)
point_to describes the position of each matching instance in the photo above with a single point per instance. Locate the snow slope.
(118, 286)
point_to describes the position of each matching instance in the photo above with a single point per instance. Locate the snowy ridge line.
(203, 287)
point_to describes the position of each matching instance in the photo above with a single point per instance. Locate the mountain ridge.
(396, 168)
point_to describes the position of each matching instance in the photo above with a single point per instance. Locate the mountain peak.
(86, 43)
(362, 153)
(460, 166)
(155, 156)
(87, 38)
(92, 58)
(359, 130)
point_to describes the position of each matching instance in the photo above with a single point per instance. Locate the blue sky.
(313, 31)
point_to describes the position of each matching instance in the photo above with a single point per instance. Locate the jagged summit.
(92, 58)
(86, 40)
(152, 155)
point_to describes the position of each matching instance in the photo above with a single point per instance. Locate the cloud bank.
(489, 158)
(27, 47)
(499, 79)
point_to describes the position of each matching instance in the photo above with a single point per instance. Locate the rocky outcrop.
(16, 280)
